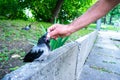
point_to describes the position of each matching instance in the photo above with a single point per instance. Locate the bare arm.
(98, 10)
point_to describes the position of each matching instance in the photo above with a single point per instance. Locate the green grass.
(3, 57)
(118, 45)
(111, 62)
(12, 30)
(110, 27)
(79, 34)
(101, 69)
(92, 26)
(11, 36)
(13, 40)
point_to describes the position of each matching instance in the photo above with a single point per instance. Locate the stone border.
(64, 63)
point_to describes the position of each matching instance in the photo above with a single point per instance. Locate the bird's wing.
(33, 54)
(45, 54)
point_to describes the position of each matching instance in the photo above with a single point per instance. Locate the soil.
(12, 62)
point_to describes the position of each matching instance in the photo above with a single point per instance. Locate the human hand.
(59, 30)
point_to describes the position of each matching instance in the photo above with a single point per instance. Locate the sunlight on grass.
(110, 27)
(79, 34)
(12, 30)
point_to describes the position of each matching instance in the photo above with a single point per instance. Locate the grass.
(3, 57)
(118, 45)
(111, 62)
(104, 70)
(92, 26)
(11, 36)
(12, 30)
(14, 41)
(110, 27)
(101, 69)
(79, 34)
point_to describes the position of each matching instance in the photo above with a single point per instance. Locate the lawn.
(110, 27)
(15, 43)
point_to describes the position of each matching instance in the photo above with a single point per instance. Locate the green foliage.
(11, 9)
(74, 8)
(43, 9)
(112, 16)
(57, 43)
(3, 57)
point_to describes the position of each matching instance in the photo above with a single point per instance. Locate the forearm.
(97, 11)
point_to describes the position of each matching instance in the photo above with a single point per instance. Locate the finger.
(55, 37)
(53, 33)
(51, 28)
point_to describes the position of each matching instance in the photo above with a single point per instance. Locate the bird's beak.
(48, 37)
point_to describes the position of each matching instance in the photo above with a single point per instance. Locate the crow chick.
(40, 52)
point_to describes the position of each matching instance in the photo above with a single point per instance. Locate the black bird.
(28, 27)
(39, 52)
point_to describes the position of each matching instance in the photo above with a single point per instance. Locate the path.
(103, 63)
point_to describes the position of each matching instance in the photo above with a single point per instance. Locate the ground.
(15, 43)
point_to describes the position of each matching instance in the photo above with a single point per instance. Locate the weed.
(118, 45)
(111, 62)
(3, 57)
(14, 68)
(101, 69)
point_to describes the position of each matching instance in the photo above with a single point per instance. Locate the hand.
(59, 30)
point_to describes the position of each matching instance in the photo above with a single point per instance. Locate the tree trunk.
(110, 21)
(104, 19)
(56, 10)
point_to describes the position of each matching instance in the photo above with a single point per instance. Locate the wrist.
(70, 29)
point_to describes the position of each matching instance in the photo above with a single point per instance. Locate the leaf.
(43, 29)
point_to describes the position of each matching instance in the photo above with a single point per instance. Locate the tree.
(56, 10)
(11, 9)
(48, 10)
(41, 9)
(114, 12)
(45, 10)
(74, 8)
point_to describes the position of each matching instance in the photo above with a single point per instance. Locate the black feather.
(44, 39)
(31, 56)
(36, 51)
